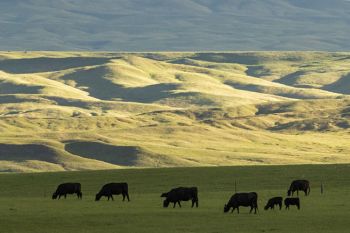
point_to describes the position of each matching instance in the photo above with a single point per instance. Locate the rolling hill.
(104, 110)
(174, 25)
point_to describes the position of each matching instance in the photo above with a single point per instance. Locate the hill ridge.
(179, 25)
(172, 109)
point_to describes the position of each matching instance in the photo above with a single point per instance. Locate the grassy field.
(26, 205)
(83, 111)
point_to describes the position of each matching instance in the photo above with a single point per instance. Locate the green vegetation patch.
(26, 205)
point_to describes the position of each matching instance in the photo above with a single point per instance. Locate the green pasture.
(26, 205)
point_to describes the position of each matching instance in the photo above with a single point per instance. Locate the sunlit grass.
(26, 204)
(173, 109)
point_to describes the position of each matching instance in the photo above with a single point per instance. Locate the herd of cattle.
(179, 194)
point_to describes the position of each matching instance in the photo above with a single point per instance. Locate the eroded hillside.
(75, 111)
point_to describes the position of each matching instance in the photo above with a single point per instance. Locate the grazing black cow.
(67, 188)
(177, 195)
(292, 201)
(242, 199)
(274, 201)
(108, 190)
(302, 185)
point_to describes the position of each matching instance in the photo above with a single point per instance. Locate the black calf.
(274, 201)
(292, 201)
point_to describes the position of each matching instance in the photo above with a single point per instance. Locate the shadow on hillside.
(10, 88)
(118, 155)
(278, 91)
(290, 79)
(341, 86)
(240, 58)
(23, 152)
(44, 64)
(6, 99)
(96, 82)
(257, 71)
(71, 102)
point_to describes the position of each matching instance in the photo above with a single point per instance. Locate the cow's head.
(289, 192)
(166, 203)
(54, 196)
(266, 207)
(226, 208)
(98, 197)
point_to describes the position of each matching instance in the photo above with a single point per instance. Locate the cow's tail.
(290, 190)
(196, 196)
(127, 191)
(79, 193)
(256, 202)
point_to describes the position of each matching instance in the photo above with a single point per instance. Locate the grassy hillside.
(78, 111)
(26, 205)
(175, 25)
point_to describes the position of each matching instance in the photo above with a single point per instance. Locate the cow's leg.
(127, 196)
(280, 206)
(298, 205)
(65, 196)
(298, 192)
(174, 204)
(59, 196)
(253, 207)
(305, 191)
(232, 210)
(123, 196)
(112, 197)
(179, 203)
(195, 201)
